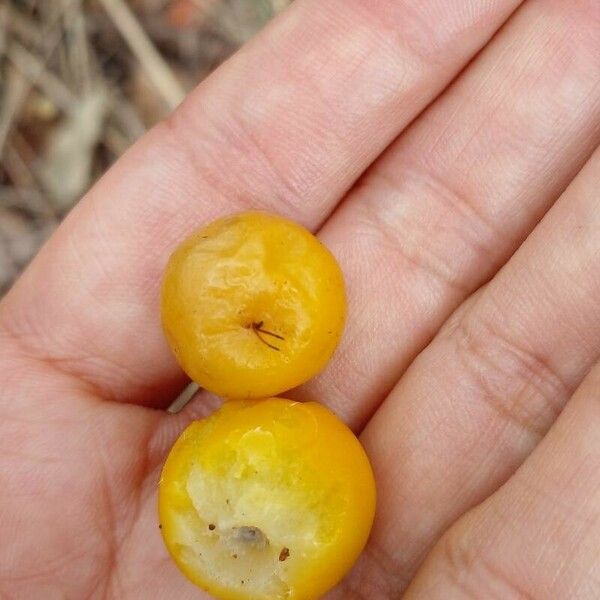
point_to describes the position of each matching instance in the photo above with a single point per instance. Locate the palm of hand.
(79, 478)
(85, 371)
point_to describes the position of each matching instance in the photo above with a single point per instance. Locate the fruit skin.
(243, 271)
(294, 471)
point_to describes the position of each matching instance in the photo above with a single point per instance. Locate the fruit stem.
(258, 330)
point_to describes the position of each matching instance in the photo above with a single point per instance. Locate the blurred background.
(80, 81)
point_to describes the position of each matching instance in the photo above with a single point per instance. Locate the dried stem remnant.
(259, 331)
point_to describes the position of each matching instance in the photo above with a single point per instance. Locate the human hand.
(464, 342)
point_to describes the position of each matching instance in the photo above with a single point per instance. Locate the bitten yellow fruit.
(266, 500)
(252, 305)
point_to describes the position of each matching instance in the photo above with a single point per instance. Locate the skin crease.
(289, 125)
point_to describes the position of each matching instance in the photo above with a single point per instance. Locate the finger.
(539, 535)
(479, 398)
(457, 194)
(288, 125)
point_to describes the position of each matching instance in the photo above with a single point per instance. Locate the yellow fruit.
(252, 305)
(266, 500)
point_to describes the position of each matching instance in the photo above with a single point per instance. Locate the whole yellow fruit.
(252, 305)
(266, 500)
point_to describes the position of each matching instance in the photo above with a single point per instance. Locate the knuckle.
(472, 572)
(521, 386)
(377, 576)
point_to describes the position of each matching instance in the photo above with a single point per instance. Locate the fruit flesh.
(252, 305)
(268, 499)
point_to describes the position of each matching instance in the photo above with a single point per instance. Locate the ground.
(80, 80)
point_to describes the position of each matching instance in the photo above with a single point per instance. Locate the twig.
(115, 140)
(29, 199)
(124, 114)
(17, 25)
(182, 400)
(16, 97)
(3, 28)
(18, 170)
(77, 48)
(17, 90)
(151, 60)
(33, 68)
(26, 29)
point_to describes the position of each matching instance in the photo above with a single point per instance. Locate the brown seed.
(285, 552)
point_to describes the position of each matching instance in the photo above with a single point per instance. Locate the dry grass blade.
(81, 80)
(67, 169)
(17, 89)
(151, 60)
(33, 69)
(3, 28)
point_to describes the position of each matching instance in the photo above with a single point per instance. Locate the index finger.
(287, 125)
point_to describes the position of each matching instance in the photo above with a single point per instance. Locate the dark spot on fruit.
(212, 526)
(285, 552)
(250, 536)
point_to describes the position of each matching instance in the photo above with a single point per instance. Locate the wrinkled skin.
(252, 305)
(478, 404)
